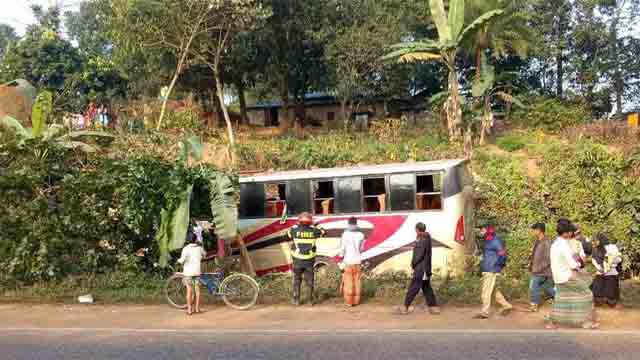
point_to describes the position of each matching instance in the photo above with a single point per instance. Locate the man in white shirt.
(191, 258)
(573, 304)
(351, 252)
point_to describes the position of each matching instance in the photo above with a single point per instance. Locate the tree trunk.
(284, 95)
(562, 18)
(454, 112)
(225, 113)
(244, 119)
(485, 127)
(166, 97)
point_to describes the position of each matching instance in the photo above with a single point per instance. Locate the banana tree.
(451, 33)
(174, 220)
(485, 90)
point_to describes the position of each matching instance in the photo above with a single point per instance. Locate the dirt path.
(279, 317)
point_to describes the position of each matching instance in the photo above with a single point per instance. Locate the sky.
(17, 13)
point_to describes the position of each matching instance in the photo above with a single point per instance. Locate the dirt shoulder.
(281, 317)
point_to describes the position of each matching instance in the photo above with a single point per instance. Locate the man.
(493, 261)
(540, 267)
(303, 251)
(191, 258)
(352, 247)
(421, 265)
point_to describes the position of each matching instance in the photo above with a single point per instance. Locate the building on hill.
(323, 109)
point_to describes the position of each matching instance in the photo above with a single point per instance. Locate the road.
(326, 344)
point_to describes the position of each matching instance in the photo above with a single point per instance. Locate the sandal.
(591, 325)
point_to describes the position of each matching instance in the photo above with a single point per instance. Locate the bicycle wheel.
(174, 291)
(239, 291)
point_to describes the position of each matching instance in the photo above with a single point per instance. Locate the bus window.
(276, 200)
(251, 200)
(349, 200)
(374, 195)
(323, 197)
(297, 197)
(402, 196)
(429, 192)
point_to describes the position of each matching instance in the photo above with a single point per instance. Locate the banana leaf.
(174, 224)
(223, 197)
(456, 17)
(15, 125)
(439, 16)
(480, 21)
(41, 111)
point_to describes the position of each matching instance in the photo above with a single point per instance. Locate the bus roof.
(427, 166)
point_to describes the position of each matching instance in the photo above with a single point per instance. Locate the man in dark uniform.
(303, 251)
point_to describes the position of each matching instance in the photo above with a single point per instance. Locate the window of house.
(374, 195)
(252, 197)
(429, 192)
(349, 199)
(331, 116)
(402, 187)
(275, 200)
(323, 197)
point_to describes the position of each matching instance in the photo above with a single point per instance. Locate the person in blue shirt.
(493, 262)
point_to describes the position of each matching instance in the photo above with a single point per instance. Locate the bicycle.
(238, 291)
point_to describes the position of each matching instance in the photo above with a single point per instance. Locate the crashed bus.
(388, 201)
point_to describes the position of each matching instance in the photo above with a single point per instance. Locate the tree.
(357, 37)
(8, 38)
(88, 28)
(506, 34)
(43, 57)
(165, 25)
(227, 18)
(451, 33)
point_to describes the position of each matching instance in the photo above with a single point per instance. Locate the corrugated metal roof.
(428, 166)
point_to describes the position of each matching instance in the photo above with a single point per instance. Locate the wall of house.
(256, 117)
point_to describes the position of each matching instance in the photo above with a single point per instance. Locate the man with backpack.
(494, 260)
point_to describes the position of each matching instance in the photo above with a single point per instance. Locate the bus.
(388, 200)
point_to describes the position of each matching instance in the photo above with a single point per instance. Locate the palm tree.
(451, 35)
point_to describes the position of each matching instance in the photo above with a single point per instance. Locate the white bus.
(388, 201)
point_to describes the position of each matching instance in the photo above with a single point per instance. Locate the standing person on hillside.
(493, 262)
(351, 250)
(540, 267)
(303, 251)
(421, 265)
(191, 258)
(607, 260)
(573, 303)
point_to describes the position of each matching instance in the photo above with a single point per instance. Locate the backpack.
(504, 257)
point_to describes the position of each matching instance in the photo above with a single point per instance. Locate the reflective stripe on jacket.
(304, 241)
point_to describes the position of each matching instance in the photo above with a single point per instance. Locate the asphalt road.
(322, 344)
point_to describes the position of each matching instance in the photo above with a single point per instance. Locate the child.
(191, 257)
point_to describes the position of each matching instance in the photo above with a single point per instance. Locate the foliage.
(511, 143)
(451, 33)
(340, 149)
(552, 114)
(187, 119)
(8, 37)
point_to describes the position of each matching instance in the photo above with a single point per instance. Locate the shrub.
(511, 143)
(552, 114)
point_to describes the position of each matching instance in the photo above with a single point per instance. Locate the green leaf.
(456, 17)
(487, 78)
(174, 224)
(480, 21)
(223, 206)
(14, 124)
(439, 16)
(41, 111)
(412, 48)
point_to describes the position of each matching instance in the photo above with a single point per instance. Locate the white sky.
(17, 13)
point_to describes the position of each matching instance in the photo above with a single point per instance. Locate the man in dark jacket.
(540, 267)
(493, 261)
(421, 265)
(303, 252)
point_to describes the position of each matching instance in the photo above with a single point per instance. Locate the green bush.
(552, 114)
(187, 119)
(511, 143)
